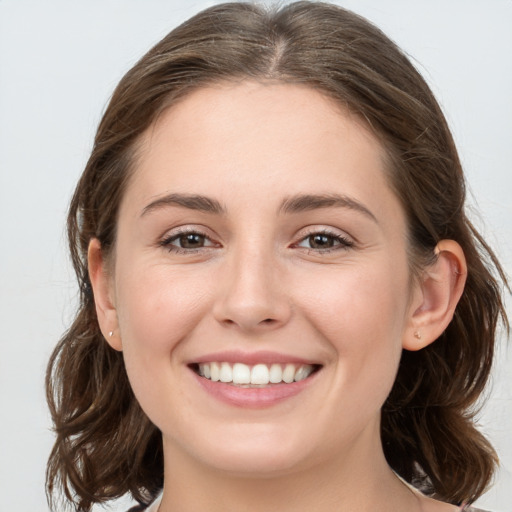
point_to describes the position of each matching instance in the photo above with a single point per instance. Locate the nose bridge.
(252, 295)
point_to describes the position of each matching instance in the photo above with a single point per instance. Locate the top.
(154, 507)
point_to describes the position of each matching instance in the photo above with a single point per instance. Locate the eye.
(186, 241)
(189, 241)
(325, 241)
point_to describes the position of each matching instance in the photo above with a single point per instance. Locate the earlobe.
(436, 296)
(102, 289)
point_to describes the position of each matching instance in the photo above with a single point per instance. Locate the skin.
(254, 280)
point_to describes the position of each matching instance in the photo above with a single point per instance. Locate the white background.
(59, 62)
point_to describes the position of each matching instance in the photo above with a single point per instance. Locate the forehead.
(230, 111)
(265, 139)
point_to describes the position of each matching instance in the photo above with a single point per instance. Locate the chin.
(251, 451)
(257, 463)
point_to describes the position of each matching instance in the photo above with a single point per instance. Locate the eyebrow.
(190, 201)
(294, 204)
(302, 203)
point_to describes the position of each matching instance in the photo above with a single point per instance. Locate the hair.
(105, 444)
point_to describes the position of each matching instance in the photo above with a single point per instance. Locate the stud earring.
(417, 335)
(111, 333)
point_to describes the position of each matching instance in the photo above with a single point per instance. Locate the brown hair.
(106, 446)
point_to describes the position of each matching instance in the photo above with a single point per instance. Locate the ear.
(103, 295)
(436, 295)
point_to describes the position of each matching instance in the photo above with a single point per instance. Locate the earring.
(111, 333)
(417, 335)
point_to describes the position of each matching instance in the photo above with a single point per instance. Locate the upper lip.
(252, 358)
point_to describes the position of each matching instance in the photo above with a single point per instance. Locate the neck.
(354, 482)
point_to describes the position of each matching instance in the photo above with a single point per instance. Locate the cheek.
(364, 303)
(361, 314)
(157, 309)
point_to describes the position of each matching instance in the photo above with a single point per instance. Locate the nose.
(252, 296)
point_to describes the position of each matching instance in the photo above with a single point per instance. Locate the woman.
(270, 236)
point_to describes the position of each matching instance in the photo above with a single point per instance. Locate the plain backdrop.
(59, 62)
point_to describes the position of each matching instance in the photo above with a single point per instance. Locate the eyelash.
(341, 242)
(167, 242)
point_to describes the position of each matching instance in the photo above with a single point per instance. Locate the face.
(261, 287)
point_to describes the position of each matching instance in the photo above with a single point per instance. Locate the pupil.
(191, 240)
(320, 241)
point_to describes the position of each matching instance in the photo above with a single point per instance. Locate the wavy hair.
(105, 445)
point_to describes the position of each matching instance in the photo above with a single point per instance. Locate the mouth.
(254, 376)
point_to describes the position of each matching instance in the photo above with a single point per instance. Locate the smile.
(240, 374)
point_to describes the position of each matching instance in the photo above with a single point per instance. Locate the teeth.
(241, 374)
(301, 374)
(226, 373)
(214, 372)
(259, 374)
(276, 374)
(289, 373)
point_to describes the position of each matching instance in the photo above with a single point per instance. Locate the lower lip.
(255, 398)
